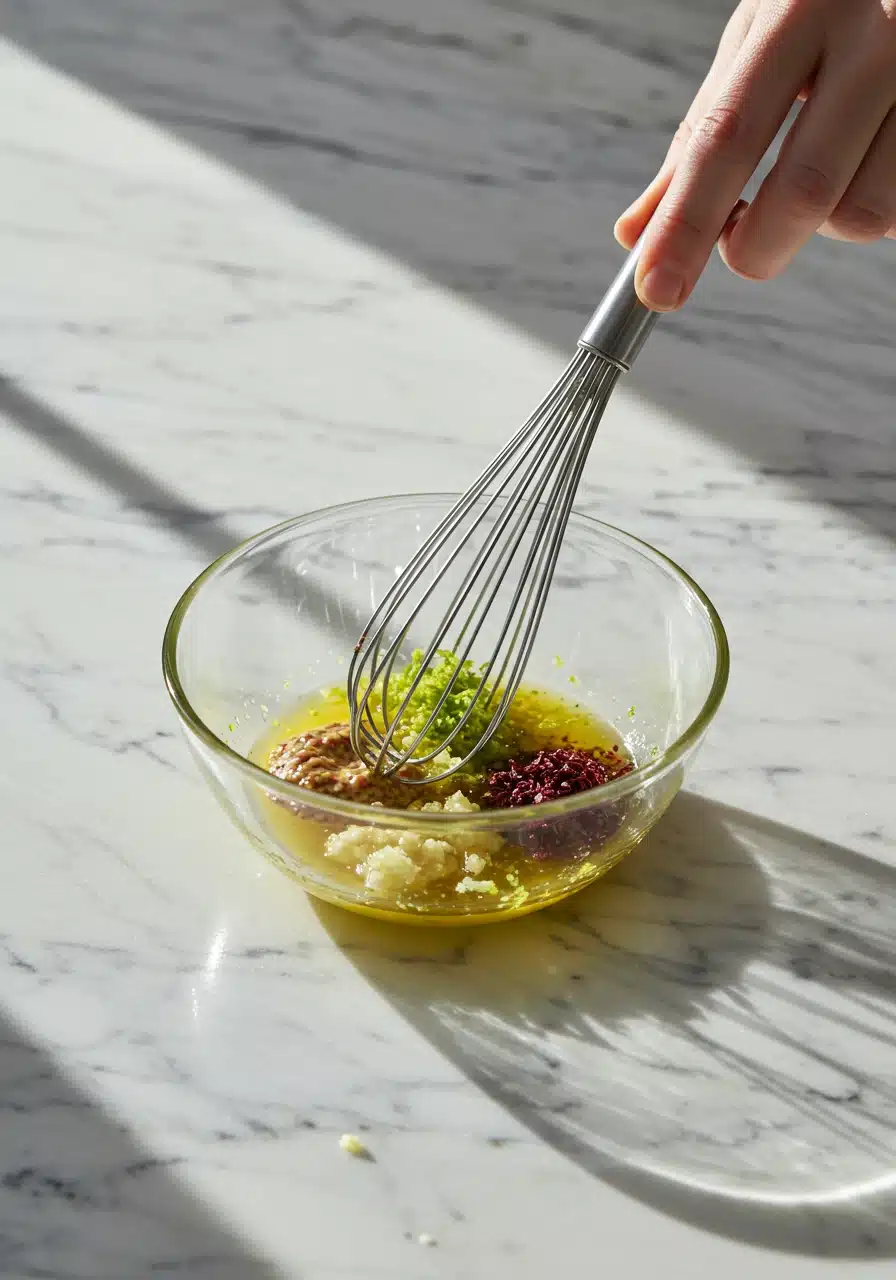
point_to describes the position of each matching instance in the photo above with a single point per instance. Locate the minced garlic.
(469, 885)
(393, 861)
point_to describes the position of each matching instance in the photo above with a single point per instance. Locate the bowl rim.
(414, 819)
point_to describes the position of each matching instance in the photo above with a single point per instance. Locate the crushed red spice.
(552, 774)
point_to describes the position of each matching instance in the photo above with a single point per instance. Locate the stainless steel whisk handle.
(620, 325)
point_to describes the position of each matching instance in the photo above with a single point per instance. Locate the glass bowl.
(275, 621)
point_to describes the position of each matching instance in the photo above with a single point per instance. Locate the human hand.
(836, 170)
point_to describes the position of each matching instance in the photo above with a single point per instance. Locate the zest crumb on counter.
(352, 1145)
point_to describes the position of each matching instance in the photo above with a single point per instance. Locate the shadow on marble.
(490, 145)
(80, 1199)
(203, 531)
(691, 1029)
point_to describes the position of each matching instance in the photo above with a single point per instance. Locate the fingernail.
(662, 287)
(624, 240)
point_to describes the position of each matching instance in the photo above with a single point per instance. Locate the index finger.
(630, 225)
(725, 147)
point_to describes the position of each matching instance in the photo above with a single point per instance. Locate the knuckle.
(808, 188)
(682, 134)
(719, 129)
(680, 224)
(855, 221)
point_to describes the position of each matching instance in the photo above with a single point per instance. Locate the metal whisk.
(530, 487)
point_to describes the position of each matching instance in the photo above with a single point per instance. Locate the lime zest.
(465, 694)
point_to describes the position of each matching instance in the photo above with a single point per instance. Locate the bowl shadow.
(711, 1029)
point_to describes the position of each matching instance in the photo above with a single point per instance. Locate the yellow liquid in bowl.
(523, 882)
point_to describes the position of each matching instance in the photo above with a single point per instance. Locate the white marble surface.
(691, 1068)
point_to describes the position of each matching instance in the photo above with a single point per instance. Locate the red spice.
(552, 774)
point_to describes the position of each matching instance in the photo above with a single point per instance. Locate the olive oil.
(522, 882)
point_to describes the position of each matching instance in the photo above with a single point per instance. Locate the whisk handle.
(620, 325)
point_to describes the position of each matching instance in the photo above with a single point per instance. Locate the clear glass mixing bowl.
(277, 618)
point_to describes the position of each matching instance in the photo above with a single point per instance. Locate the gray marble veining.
(241, 245)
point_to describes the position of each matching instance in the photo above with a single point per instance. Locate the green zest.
(427, 695)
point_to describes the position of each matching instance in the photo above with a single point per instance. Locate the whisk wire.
(564, 426)
(523, 501)
(539, 590)
(470, 630)
(382, 670)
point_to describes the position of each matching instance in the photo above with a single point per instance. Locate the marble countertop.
(251, 257)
